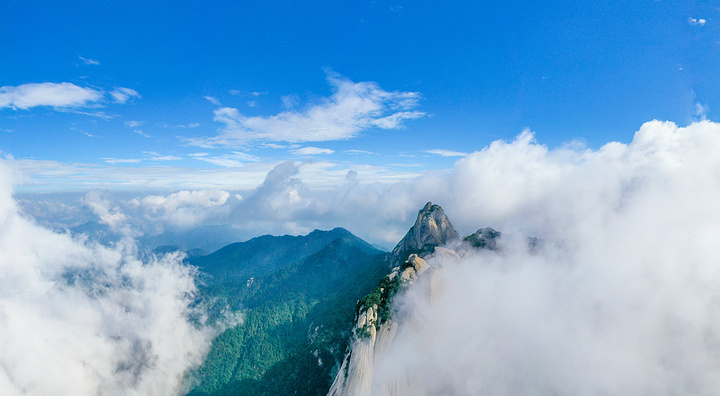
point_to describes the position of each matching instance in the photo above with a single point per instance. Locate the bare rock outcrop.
(432, 228)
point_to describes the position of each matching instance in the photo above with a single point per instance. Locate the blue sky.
(142, 95)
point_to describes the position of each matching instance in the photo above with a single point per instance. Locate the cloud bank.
(622, 298)
(81, 319)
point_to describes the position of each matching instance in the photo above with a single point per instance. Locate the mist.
(623, 297)
(77, 318)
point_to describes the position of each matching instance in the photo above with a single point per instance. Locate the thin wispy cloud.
(238, 92)
(701, 111)
(153, 156)
(133, 124)
(245, 156)
(88, 61)
(447, 153)
(290, 101)
(351, 109)
(213, 100)
(141, 133)
(312, 151)
(355, 152)
(31, 95)
(697, 22)
(122, 160)
(122, 95)
(235, 159)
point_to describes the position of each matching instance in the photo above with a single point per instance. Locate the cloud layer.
(81, 319)
(622, 298)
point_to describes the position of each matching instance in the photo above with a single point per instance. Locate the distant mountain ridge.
(297, 296)
(266, 254)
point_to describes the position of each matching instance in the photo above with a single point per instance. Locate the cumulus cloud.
(122, 95)
(311, 151)
(621, 298)
(697, 22)
(183, 208)
(352, 108)
(47, 94)
(83, 319)
(104, 207)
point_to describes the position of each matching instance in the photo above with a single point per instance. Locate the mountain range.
(303, 315)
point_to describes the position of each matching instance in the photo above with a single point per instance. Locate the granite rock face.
(432, 228)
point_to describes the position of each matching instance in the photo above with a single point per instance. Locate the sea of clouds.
(623, 297)
(77, 318)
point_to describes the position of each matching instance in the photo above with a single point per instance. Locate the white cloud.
(290, 101)
(47, 94)
(86, 320)
(353, 151)
(275, 145)
(122, 160)
(311, 151)
(191, 125)
(246, 157)
(697, 22)
(88, 61)
(235, 159)
(213, 100)
(352, 108)
(183, 208)
(447, 153)
(226, 161)
(701, 111)
(133, 124)
(141, 133)
(122, 95)
(153, 156)
(102, 205)
(621, 298)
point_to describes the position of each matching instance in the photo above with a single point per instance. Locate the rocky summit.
(432, 236)
(432, 228)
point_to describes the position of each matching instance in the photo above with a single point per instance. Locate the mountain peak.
(432, 228)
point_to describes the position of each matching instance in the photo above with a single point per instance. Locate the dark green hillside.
(298, 311)
(264, 255)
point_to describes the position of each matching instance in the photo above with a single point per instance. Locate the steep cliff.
(376, 325)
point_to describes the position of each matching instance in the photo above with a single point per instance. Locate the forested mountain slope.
(297, 298)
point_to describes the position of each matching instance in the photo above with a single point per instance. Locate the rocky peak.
(484, 238)
(432, 228)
